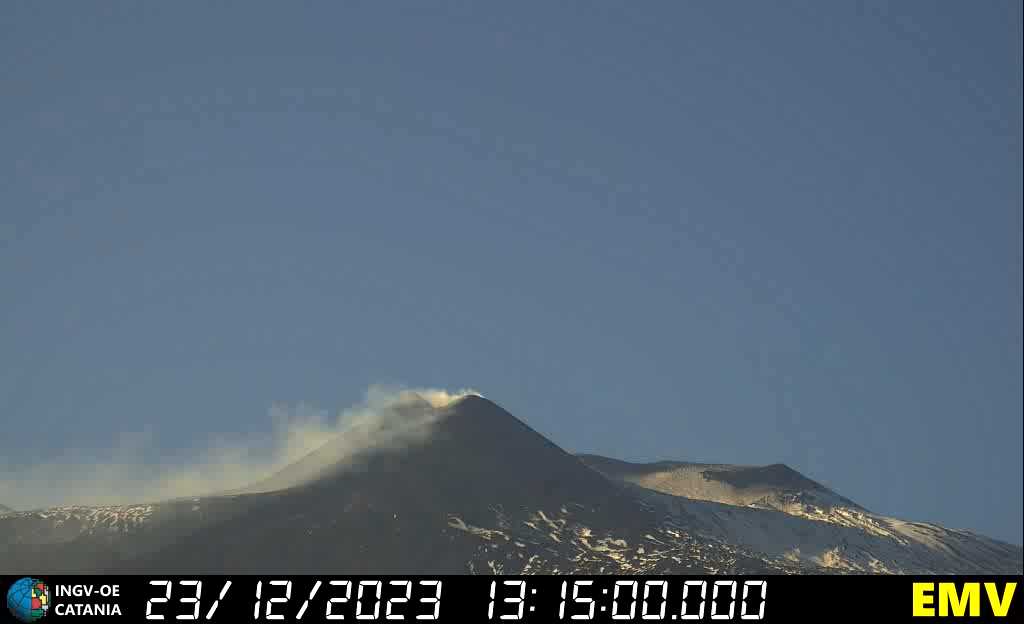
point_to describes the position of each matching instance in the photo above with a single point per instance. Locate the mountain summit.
(471, 449)
(464, 486)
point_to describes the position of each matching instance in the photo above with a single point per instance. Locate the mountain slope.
(782, 514)
(470, 488)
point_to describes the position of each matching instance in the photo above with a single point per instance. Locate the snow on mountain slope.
(776, 511)
(84, 539)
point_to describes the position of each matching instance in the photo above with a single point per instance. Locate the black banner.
(528, 599)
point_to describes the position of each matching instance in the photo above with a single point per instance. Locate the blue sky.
(730, 232)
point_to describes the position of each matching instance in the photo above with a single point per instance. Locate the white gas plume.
(388, 417)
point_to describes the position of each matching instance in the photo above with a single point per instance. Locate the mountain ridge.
(775, 486)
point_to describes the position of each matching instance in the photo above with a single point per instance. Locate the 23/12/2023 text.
(507, 600)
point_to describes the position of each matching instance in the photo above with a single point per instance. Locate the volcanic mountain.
(477, 491)
(468, 488)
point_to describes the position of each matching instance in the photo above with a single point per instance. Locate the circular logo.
(28, 599)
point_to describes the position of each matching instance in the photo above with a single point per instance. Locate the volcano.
(469, 488)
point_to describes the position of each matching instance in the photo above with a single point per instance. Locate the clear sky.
(722, 231)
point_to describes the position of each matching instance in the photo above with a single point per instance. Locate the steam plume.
(132, 475)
